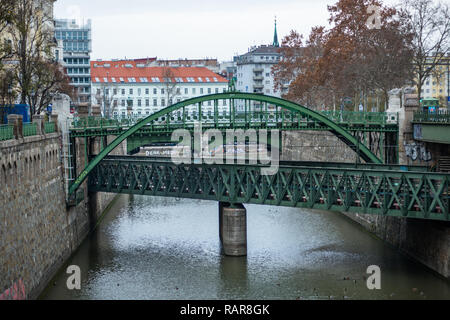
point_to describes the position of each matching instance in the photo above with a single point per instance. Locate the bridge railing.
(6, 132)
(28, 130)
(441, 116)
(253, 117)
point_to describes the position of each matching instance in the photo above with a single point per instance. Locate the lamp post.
(448, 81)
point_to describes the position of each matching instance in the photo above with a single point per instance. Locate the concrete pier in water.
(233, 229)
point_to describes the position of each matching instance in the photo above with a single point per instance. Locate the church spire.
(275, 37)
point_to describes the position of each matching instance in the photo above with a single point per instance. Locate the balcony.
(256, 70)
(258, 78)
(258, 86)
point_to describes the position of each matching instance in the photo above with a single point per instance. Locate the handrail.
(441, 116)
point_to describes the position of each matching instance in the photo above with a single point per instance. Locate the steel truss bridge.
(385, 190)
(365, 188)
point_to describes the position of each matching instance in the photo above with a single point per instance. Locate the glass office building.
(77, 44)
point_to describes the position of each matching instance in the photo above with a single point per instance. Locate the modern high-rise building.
(77, 48)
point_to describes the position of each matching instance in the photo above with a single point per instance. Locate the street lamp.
(448, 81)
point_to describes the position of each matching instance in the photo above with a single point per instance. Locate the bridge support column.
(233, 229)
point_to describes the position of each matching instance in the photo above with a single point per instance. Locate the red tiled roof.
(124, 71)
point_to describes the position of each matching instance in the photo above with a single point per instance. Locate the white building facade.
(254, 69)
(126, 88)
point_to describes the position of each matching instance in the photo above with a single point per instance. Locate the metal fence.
(442, 116)
(49, 127)
(29, 129)
(6, 132)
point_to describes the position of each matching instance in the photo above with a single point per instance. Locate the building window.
(217, 90)
(155, 91)
(147, 91)
(163, 102)
(185, 90)
(193, 90)
(162, 91)
(139, 103)
(209, 90)
(155, 102)
(147, 102)
(201, 90)
(131, 91)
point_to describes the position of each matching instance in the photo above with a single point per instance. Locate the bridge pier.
(233, 229)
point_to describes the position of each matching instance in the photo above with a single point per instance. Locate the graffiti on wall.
(417, 151)
(15, 292)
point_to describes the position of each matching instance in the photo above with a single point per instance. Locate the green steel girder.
(312, 164)
(337, 130)
(421, 195)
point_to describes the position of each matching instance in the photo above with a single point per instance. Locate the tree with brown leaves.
(350, 59)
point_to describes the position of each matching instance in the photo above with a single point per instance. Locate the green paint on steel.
(340, 132)
(6, 132)
(407, 194)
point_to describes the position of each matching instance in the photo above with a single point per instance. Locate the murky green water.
(158, 248)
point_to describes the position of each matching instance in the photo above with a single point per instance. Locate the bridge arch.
(337, 130)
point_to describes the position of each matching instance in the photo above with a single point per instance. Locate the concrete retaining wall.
(425, 241)
(315, 146)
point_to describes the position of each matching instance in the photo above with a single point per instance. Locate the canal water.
(166, 248)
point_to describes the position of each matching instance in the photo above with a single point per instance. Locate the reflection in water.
(164, 248)
(233, 278)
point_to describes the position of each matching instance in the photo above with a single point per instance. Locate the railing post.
(39, 121)
(54, 119)
(16, 120)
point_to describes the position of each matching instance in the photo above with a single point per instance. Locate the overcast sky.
(174, 29)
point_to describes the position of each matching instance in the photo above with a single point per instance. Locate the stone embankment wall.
(38, 232)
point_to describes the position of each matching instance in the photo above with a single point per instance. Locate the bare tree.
(170, 84)
(6, 19)
(106, 97)
(430, 24)
(48, 80)
(32, 37)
